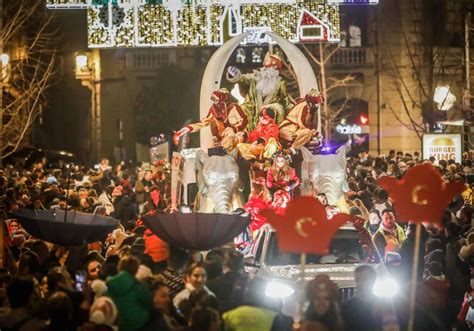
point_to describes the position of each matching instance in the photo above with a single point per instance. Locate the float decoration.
(421, 195)
(305, 228)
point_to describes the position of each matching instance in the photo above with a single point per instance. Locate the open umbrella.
(65, 229)
(196, 231)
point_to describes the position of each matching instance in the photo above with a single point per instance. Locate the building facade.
(397, 60)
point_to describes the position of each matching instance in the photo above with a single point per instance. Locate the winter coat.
(132, 298)
(155, 247)
(249, 318)
(457, 271)
(228, 289)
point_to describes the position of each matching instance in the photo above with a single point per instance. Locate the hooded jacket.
(132, 298)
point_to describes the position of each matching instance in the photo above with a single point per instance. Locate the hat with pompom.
(103, 311)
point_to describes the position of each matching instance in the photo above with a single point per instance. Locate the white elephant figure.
(325, 174)
(218, 181)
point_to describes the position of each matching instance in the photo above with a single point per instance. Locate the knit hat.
(103, 311)
(99, 287)
(143, 272)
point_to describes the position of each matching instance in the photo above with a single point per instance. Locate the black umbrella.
(196, 231)
(65, 229)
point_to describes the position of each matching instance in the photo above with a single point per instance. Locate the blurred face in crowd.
(148, 176)
(161, 298)
(321, 302)
(402, 166)
(322, 199)
(374, 218)
(14, 226)
(388, 218)
(93, 270)
(197, 278)
(364, 282)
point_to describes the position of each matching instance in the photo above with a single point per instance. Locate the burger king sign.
(442, 147)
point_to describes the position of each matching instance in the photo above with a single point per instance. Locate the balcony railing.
(67, 4)
(352, 57)
(138, 61)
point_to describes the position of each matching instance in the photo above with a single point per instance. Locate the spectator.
(196, 279)
(132, 298)
(229, 287)
(322, 296)
(21, 295)
(258, 312)
(163, 317)
(172, 275)
(204, 319)
(363, 304)
(102, 316)
(373, 223)
(60, 312)
(390, 235)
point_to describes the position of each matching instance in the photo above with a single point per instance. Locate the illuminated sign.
(154, 23)
(442, 147)
(348, 129)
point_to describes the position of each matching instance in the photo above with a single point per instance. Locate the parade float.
(262, 152)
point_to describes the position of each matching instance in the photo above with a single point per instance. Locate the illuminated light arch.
(146, 23)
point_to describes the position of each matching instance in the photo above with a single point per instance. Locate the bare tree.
(422, 61)
(30, 39)
(331, 86)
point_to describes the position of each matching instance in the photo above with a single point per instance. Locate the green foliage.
(169, 103)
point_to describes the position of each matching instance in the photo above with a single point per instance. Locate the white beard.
(266, 79)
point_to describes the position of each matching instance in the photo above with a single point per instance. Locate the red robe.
(264, 131)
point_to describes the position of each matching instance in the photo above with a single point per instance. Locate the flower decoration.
(421, 195)
(304, 228)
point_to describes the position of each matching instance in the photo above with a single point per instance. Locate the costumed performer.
(263, 140)
(300, 126)
(259, 199)
(281, 181)
(227, 120)
(265, 87)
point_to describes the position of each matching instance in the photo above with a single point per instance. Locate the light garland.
(136, 23)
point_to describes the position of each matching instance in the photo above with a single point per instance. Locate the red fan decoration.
(305, 228)
(421, 195)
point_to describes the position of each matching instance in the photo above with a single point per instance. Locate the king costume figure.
(263, 140)
(300, 126)
(227, 120)
(265, 87)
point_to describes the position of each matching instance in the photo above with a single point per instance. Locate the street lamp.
(5, 59)
(87, 70)
(444, 98)
(81, 62)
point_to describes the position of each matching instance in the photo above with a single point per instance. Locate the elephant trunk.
(222, 197)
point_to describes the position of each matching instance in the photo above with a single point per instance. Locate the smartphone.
(80, 280)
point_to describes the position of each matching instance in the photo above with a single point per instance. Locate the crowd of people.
(134, 281)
